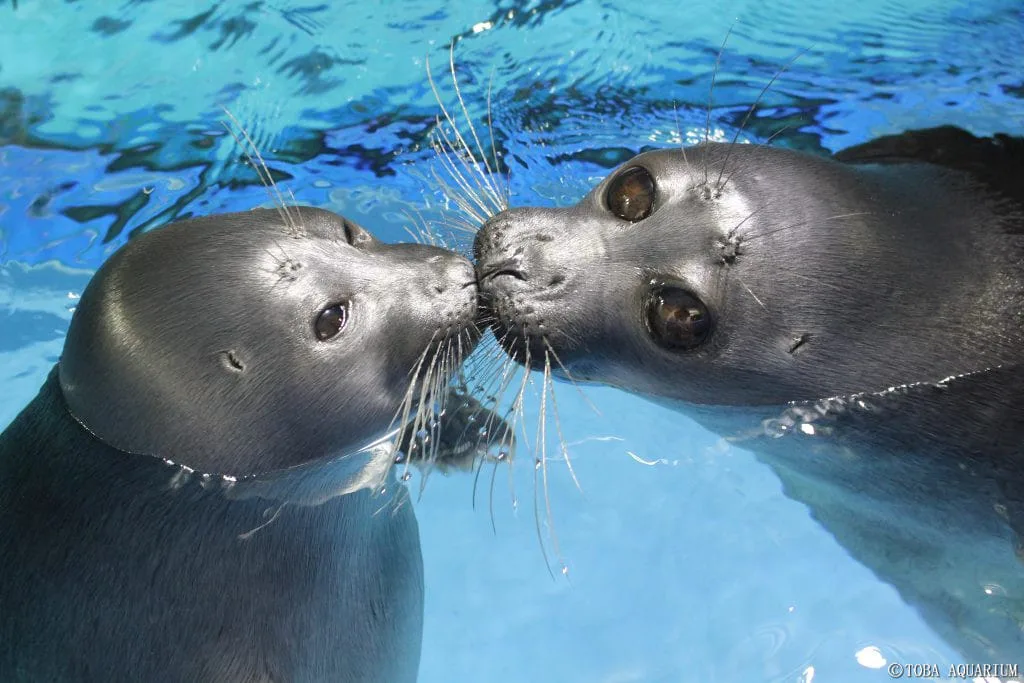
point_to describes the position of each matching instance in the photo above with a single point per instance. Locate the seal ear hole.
(630, 196)
(556, 279)
(231, 361)
(330, 321)
(676, 319)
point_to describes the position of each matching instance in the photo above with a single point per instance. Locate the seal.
(204, 356)
(870, 306)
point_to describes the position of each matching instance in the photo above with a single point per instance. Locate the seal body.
(857, 321)
(206, 355)
(111, 573)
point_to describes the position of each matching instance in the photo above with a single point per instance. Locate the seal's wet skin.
(242, 345)
(869, 307)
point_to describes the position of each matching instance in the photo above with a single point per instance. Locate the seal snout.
(499, 267)
(516, 250)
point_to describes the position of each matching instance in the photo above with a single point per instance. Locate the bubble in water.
(994, 589)
(775, 428)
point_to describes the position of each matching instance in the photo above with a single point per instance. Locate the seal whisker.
(265, 176)
(450, 194)
(558, 423)
(536, 487)
(446, 150)
(488, 177)
(482, 180)
(415, 237)
(572, 380)
(541, 464)
(679, 133)
(822, 283)
(751, 293)
(711, 91)
(494, 148)
(750, 237)
(405, 408)
(750, 111)
(563, 447)
(767, 142)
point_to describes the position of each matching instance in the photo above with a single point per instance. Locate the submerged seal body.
(868, 306)
(202, 355)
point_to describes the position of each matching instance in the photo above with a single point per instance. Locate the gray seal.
(202, 356)
(868, 306)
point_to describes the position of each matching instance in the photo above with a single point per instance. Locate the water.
(691, 567)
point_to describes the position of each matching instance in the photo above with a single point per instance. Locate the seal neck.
(309, 484)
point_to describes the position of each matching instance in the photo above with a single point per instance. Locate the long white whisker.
(290, 222)
(750, 111)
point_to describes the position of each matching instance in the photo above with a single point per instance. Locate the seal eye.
(331, 321)
(631, 195)
(677, 320)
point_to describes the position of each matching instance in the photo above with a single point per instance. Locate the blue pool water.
(693, 568)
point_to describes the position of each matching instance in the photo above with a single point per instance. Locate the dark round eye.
(631, 195)
(677, 319)
(331, 321)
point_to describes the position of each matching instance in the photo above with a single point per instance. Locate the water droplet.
(775, 428)
(406, 476)
(994, 589)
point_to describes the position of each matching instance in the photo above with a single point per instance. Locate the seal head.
(252, 342)
(868, 306)
(787, 277)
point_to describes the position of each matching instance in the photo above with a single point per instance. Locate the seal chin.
(507, 306)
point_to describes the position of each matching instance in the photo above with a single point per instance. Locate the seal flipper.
(467, 432)
(997, 161)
